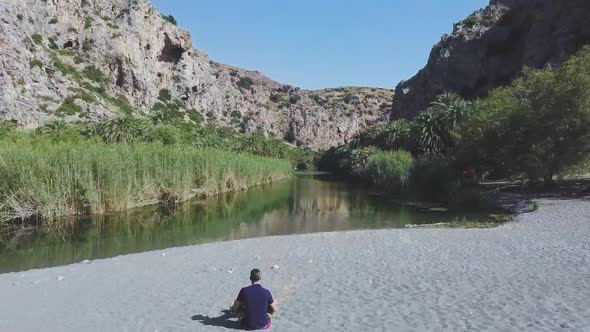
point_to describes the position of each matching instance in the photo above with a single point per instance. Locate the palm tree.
(396, 136)
(53, 127)
(123, 129)
(430, 132)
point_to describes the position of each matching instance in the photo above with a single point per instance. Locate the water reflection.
(306, 204)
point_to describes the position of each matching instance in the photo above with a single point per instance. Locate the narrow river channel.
(307, 203)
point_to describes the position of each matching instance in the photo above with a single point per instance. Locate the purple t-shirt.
(256, 299)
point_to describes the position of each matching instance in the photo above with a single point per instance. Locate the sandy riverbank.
(530, 275)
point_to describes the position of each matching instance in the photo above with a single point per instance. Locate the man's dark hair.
(255, 275)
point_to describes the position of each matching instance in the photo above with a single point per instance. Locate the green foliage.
(294, 99)
(319, 100)
(88, 23)
(303, 158)
(123, 129)
(37, 39)
(94, 74)
(195, 116)
(470, 21)
(539, 125)
(279, 98)
(167, 134)
(170, 19)
(52, 44)
(49, 180)
(245, 83)
(87, 44)
(69, 107)
(257, 144)
(167, 113)
(36, 63)
(122, 103)
(7, 129)
(581, 168)
(391, 170)
(66, 69)
(164, 95)
(434, 130)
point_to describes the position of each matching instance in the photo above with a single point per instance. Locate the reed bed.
(46, 181)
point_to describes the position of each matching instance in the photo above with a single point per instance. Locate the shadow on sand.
(221, 321)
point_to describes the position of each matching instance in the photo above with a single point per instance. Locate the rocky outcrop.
(86, 60)
(491, 47)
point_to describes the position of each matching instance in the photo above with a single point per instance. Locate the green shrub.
(87, 44)
(170, 19)
(245, 83)
(52, 44)
(391, 170)
(37, 39)
(166, 134)
(88, 23)
(470, 21)
(66, 69)
(122, 103)
(319, 100)
(164, 95)
(195, 116)
(69, 107)
(279, 97)
(36, 63)
(94, 74)
(539, 125)
(294, 99)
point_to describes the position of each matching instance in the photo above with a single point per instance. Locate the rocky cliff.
(86, 60)
(491, 47)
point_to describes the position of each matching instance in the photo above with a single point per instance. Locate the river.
(307, 203)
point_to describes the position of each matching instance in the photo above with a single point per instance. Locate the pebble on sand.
(60, 278)
(274, 267)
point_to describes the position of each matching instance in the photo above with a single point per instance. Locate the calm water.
(306, 204)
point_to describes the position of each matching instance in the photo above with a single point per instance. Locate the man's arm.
(235, 306)
(274, 308)
(238, 302)
(272, 304)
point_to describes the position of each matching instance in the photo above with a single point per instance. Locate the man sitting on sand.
(255, 303)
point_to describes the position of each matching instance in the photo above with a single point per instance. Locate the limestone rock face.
(86, 60)
(491, 47)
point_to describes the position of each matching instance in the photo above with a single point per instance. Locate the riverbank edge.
(202, 195)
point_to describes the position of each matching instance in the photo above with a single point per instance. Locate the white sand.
(531, 275)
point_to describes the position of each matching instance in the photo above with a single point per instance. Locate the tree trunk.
(548, 179)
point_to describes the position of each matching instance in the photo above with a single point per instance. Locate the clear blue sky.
(321, 43)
